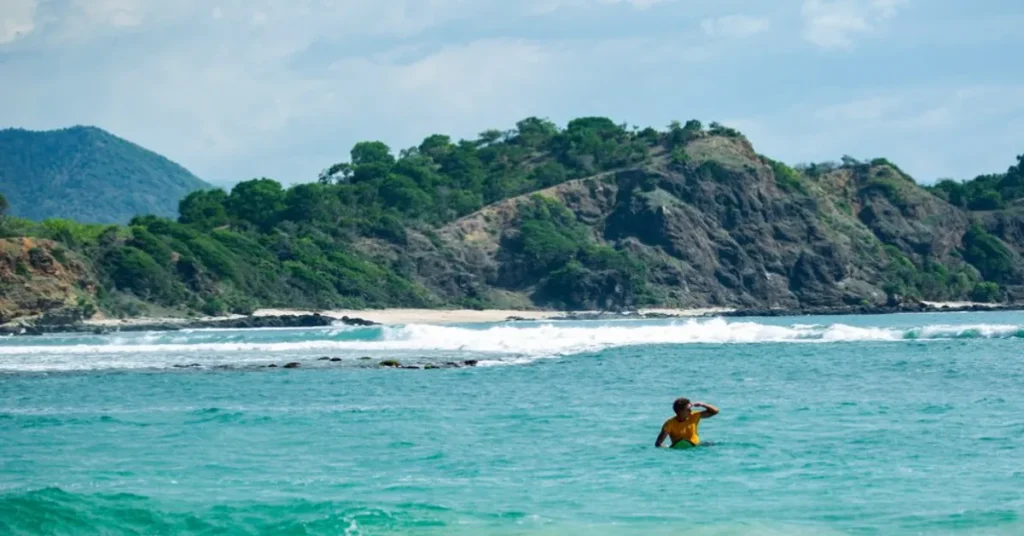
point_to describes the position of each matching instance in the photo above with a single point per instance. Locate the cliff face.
(721, 225)
(37, 276)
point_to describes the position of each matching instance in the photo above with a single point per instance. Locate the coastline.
(418, 316)
(300, 318)
(472, 316)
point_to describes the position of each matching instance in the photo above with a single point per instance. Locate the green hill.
(593, 215)
(89, 175)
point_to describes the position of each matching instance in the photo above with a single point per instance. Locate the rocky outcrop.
(269, 321)
(71, 320)
(40, 276)
(724, 226)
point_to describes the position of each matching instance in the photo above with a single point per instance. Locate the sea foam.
(508, 343)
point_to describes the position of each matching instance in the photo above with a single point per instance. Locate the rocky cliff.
(39, 276)
(720, 225)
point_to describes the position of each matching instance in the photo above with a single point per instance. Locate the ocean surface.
(903, 424)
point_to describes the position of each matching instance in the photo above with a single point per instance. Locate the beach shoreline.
(472, 316)
(401, 316)
(396, 316)
(305, 318)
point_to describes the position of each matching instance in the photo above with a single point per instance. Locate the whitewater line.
(547, 339)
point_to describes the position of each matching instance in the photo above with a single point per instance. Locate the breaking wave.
(516, 341)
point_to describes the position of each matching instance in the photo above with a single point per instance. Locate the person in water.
(682, 429)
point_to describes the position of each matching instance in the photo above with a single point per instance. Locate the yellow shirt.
(687, 429)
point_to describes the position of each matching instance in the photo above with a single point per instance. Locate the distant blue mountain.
(89, 175)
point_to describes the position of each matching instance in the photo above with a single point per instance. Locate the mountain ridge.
(88, 174)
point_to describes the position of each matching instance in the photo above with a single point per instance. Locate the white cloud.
(232, 110)
(868, 109)
(198, 81)
(451, 85)
(79, 21)
(829, 24)
(887, 8)
(639, 4)
(734, 26)
(920, 129)
(115, 13)
(17, 19)
(835, 23)
(540, 7)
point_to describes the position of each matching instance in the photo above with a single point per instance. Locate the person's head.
(681, 406)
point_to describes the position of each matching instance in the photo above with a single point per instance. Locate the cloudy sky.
(234, 89)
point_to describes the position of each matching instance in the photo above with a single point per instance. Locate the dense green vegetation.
(574, 272)
(987, 192)
(988, 255)
(441, 180)
(933, 280)
(89, 175)
(360, 235)
(262, 244)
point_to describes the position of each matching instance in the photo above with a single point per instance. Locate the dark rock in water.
(659, 316)
(411, 367)
(390, 363)
(272, 366)
(516, 319)
(55, 320)
(64, 322)
(335, 359)
(292, 365)
(61, 317)
(191, 365)
(323, 359)
(19, 327)
(447, 365)
(471, 362)
(281, 321)
(896, 305)
(584, 316)
(352, 321)
(365, 358)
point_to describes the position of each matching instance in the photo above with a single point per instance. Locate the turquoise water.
(906, 424)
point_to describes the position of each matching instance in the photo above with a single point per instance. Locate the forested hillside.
(88, 175)
(593, 215)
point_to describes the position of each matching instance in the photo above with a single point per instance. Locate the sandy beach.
(449, 316)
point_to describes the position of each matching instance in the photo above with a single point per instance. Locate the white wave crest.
(546, 339)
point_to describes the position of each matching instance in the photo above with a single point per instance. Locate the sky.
(236, 89)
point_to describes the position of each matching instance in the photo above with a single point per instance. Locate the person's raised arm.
(709, 410)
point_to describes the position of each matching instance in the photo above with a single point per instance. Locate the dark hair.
(680, 403)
